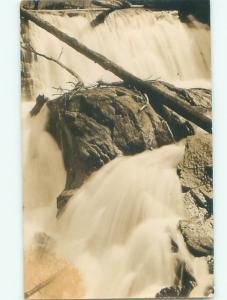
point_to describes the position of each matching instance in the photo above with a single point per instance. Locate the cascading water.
(118, 227)
(44, 173)
(148, 44)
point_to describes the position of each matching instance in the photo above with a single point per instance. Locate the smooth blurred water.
(147, 44)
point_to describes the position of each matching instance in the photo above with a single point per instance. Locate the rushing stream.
(118, 227)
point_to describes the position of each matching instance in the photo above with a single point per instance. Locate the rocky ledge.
(197, 184)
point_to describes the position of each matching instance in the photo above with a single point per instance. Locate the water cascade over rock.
(125, 231)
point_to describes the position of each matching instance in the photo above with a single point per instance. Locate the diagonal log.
(155, 94)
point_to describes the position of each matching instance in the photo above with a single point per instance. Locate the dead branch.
(70, 71)
(42, 285)
(154, 93)
(146, 104)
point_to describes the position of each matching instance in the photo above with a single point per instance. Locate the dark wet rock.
(185, 279)
(198, 236)
(40, 101)
(183, 285)
(62, 199)
(174, 246)
(169, 292)
(96, 125)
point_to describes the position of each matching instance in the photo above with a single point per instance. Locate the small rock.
(198, 237)
(169, 292)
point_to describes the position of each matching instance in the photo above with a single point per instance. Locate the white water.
(117, 228)
(148, 44)
(44, 173)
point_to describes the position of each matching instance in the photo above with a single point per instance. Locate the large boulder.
(95, 125)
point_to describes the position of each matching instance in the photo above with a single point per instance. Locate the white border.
(11, 266)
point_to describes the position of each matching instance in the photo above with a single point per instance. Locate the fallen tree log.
(154, 93)
(100, 18)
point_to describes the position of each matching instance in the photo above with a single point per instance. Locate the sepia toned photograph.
(116, 113)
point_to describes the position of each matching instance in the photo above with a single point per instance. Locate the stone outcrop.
(94, 125)
(196, 176)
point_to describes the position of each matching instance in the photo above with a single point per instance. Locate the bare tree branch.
(70, 71)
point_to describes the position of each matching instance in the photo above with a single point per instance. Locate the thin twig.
(70, 71)
(59, 56)
(146, 104)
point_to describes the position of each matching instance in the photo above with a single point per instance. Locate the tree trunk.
(179, 106)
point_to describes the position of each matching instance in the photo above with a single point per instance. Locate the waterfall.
(118, 227)
(44, 173)
(147, 44)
